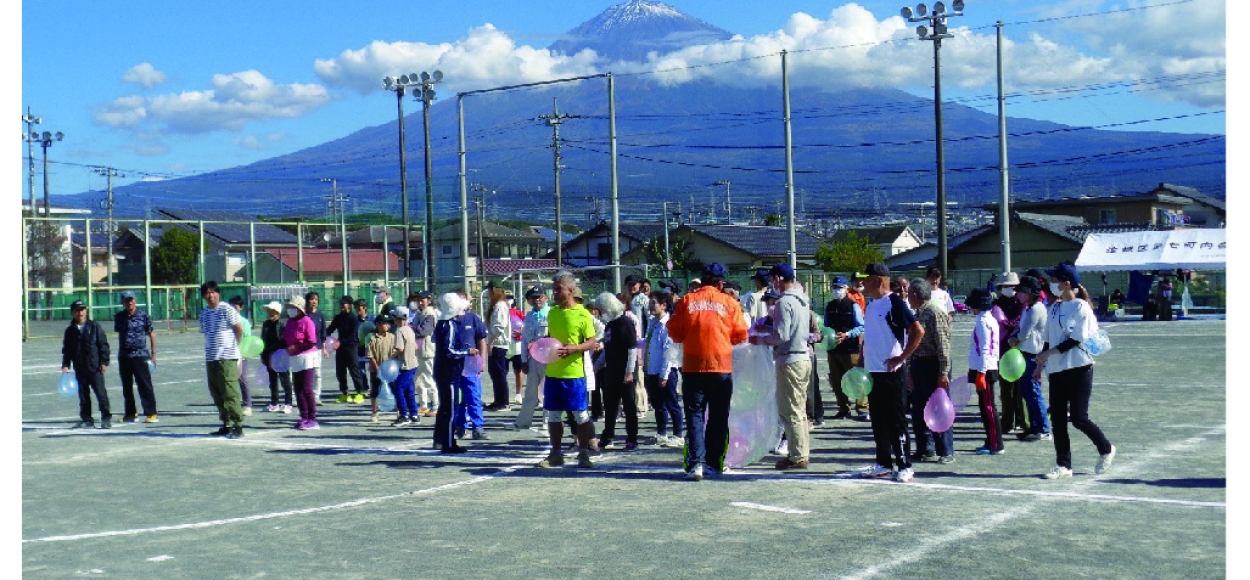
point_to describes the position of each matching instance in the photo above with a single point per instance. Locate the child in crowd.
(271, 335)
(983, 367)
(245, 383)
(380, 348)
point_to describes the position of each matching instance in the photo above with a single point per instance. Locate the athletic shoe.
(479, 435)
(1047, 437)
(583, 460)
(106, 424)
(1058, 472)
(312, 424)
(459, 432)
(713, 473)
(983, 450)
(842, 415)
(128, 419)
(817, 423)
(1104, 461)
(400, 421)
(864, 417)
(221, 432)
(551, 461)
(946, 459)
(273, 408)
(247, 411)
(414, 420)
(286, 409)
(519, 397)
(455, 449)
(1029, 436)
(904, 475)
(302, 424)
(359, 398)
(631, 446)
(152, 419)
(83, 425)
(373, 418)
(876, 472)
(787, 463)
(235, 433)
(782, 448)
(694, 473)
(430, 413)
(605, 445)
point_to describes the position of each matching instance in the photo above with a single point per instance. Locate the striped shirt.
(937, 336)
(217, 326)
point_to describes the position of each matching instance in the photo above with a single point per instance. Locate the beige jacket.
(406, 343)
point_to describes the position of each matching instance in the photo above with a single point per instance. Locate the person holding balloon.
(844, 319)
(245, 382)
(930, 373)
(533, 328)
(380, 348)
(473, 329)
(271, 333)
(347, 325)
(983, 367)
(570, 325)
(86, 349)
(516, 321)
(300, 336)
(1007, 311)
(891, 335)
(1029, 341)
(1070, 322)
(405, 351)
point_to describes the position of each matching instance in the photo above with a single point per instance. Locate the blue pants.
(469, 407)
(711, 392)
(1031, 390)
(663, 396)
(405, 396)
(924, 376)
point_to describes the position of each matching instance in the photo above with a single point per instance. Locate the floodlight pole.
(30, 138)
(46, 140)
(427, 97)
(668, 255)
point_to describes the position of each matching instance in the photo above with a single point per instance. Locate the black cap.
(534, 292)
(876, 269)
(128, 295)
(77, 305)
(383, 318)
(979, 299)
(425, 294)
(1029, 284)
(633, 279)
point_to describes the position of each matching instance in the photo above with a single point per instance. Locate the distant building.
(889, 240)
(739, 247)
(593, 247)
(1161, 207)
(499, 241)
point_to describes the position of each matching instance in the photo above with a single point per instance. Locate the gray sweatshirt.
(791, 327)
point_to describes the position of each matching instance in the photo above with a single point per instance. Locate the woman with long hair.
(1070, 368)
(498, 340)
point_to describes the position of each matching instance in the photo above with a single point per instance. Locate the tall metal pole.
(46, 207)
(147, 267)
(555, 119)
(403, 187)
(30, 137)
(87, 267)
(299, 250)
(26, 277)
(1004, 210)
(792, 252)
(668, 255)
(109, 173)
(616, 216)
(464, 194)
(428, 254)
(251, 253)
(941, 157)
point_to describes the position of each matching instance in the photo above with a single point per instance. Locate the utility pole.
(785, 106)
(337, 201)
(109, 173)
(729, 206)
(668, 256)
(1004, 209)
(30, 137)
(481, 220)
(554, 120)
(46, 140)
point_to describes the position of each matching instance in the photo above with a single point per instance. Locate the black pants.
(889, 420)
(596, 397)
(1012, 414)
(345, 365)
(615, 392)
(91, 380)
(1069, 395)
(448, 400)
(498, 368)
(815, 405)
(663, 396)
(711, 392)
(924, 380)
(136, 371)
(276, 378)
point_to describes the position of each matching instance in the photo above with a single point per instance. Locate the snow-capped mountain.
(631, 30)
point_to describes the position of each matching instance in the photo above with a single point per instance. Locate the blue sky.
(161, 89)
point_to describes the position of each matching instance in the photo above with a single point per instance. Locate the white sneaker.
(1104, 462)
(1058, 472)
(695, 473)
(518, 399)
(247, 411)
(782, 448)
(904, 475)
(877, 471)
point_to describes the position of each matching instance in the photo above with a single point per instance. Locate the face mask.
(291, 312)
(1009, 292)
(379, 299)
(509, 303)
(1055, 289)
(839, 293)
(859, 288)
(413, 306)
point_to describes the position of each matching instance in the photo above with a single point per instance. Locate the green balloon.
(366, 330)
(251, 346)
(830, 339)
(857, 383)
(1011, 366)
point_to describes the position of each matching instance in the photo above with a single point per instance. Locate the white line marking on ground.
(160, 558)
(768, 508)
(1031, 492)
(986, 525)
(273, 515)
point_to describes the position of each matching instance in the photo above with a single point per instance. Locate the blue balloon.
(388, 371)
(67, 386)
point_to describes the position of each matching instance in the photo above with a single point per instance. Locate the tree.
(847, 255)
(49, 260)
(773, 219)
(680, 250)
(175, 260)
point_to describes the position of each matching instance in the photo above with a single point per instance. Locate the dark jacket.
(271, 334)
(348, 326)
(840, 316)
(451, 347)
(319, 323)
(87, 349)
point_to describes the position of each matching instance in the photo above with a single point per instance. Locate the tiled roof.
(234, 233)
(1059, 225)
(498, 267)
(490, 231)
(323, 261)
(759, 240)
(881, 235)
(1193, 194)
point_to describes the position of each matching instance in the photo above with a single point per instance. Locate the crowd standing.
(646, 349)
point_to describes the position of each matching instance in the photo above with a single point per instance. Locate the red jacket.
(707, 323)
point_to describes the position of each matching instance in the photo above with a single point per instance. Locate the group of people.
(622, 354)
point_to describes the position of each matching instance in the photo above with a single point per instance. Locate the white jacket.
(983, 348)
(1072, 319)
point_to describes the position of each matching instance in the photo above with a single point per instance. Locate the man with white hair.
(565, 387)
(451, 348)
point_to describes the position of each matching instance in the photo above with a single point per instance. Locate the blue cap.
(714, 269)
(783, 270)
(772, 294)
(1065, 272)
(876, 269)
(761, 275)
(840, 282)
(128, 295)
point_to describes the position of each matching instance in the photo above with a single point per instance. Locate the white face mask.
(839, 293)
(1009, 292)
(413, 306)
(859, 288)
(379, 299)
(1055, 289)
(292, 312)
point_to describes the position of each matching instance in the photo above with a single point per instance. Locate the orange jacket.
(707, 323)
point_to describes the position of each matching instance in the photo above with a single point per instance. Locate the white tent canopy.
(1190, 249)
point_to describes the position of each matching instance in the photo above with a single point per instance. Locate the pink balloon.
(998, 315)
(517, 324)
(960, 392)
(737, 452)
(473, 366)
(332, 344)
(939, 414)
(545, 350)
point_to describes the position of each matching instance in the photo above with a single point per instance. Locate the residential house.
(499, 242)
(1206, 211)
(228, 239)
(322, 266)
(1161, 207)
(738, 247)
(593, 247)
(889, 240)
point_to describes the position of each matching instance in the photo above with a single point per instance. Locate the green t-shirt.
(570, 326)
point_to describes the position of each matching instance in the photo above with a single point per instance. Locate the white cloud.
(851, 47)
(144, 75)
(248, 142)
(233, 101)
